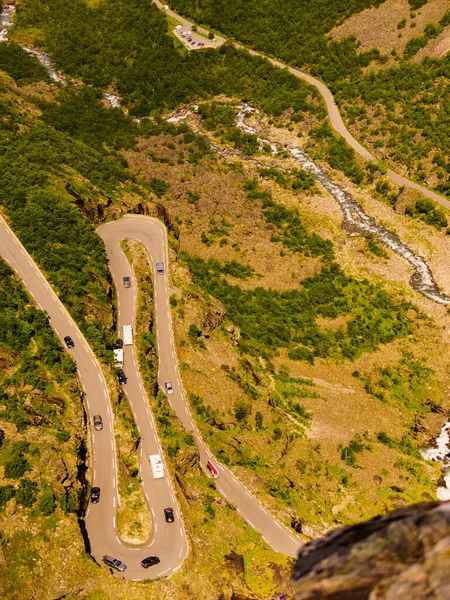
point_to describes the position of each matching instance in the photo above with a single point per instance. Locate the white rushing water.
(6, 16)
(46, 61)
(357, 220)
(441, 453)
(112, 99)
(354, 216)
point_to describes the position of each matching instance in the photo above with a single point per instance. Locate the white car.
(169, 388)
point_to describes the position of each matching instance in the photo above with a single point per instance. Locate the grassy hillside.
(311, 367)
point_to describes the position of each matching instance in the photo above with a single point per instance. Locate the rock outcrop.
(405, 554)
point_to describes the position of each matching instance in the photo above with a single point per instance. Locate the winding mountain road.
(333, 111)
(152, 233)
(168, 540)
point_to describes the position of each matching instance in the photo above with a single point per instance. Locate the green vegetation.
(335, 151)
(79, 112)
(269, 319)
(356, 445)
(291, 31)
(297, 180)
(22, 67)
(35, 380)
(104, 48)
(294, 234)
(46, 176)
(287, 393)
(374, 247)
(409, 382)
(427, 211)
(217, 115)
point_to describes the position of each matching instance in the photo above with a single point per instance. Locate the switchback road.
(152, 233)
(169, 540)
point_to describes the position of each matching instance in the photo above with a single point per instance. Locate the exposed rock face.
(406, 199)
(405, 554)
(213, 318)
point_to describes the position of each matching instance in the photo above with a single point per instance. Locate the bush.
(27, 493)
(46, 503)
(6, 493)
(17, 465)
(242, 410)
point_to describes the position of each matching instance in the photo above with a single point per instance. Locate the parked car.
(150, 561)
(122, 377)
(169, 388)
(69, 342)
(168, 515)
(95, 495)
(114, 563)
(98, 423)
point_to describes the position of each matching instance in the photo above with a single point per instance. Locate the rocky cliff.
(404, 555)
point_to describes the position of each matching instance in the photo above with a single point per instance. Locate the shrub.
(242, 410)
(6, 493)
(27, 493)
(46, 503)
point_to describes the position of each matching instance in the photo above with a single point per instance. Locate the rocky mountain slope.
(405, 554)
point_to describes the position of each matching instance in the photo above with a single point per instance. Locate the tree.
(242, 410)
(277, 433)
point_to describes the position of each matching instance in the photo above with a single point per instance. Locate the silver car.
(169, 388)
(114, 563)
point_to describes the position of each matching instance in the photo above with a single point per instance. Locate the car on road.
(122, 377)
(168, 515)
(150, 561)
(169, 388)
(119, 344)
(69, 342)
(127, 282)
(114, 563)
(95, 495)
(160, 268)
(98, 423)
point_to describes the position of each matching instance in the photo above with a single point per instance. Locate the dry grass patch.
(377, 27)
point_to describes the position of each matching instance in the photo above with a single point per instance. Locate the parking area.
(195, 40)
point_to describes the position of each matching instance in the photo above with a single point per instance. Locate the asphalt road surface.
(201, 35)
(168, 540)
(152, 233)
(333, 111)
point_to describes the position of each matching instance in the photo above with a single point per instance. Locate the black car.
(119, 344)
(114, 563)
(95, 495)
(150, 561)
(69, 342)
(122, 377)
(169, 516)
